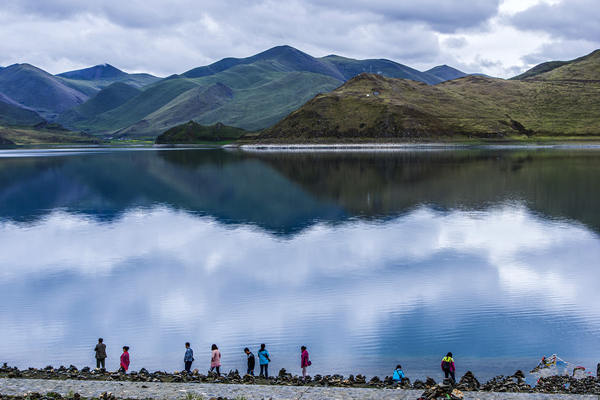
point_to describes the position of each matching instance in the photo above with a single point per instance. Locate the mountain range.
(251, 93)
(558, 99)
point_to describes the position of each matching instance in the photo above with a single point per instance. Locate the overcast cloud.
(497, 37)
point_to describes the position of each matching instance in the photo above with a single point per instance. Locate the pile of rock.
(75, 396)
(442, 391)
(568, 384)
(468, 382)
(514, 383)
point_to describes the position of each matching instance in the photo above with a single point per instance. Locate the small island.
(194, 133)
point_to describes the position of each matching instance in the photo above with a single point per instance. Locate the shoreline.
(38, 389)
(516, 383)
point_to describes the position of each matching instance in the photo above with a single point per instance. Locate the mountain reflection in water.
(368, 259)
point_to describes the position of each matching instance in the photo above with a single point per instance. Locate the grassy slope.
(11, 114)
(192, 132)
(187, 105)
(542, 71)
(31, 136)
(107, 99)
(473, 106)
(149, 100)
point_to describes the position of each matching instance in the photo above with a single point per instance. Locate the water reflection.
(367, 261)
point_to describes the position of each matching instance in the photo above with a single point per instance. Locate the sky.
(496, 37)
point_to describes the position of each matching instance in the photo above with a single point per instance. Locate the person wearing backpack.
(398, 374)
(264, 360)
(304, 361)
(448, 367)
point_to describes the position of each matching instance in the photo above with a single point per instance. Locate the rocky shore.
(468, 383)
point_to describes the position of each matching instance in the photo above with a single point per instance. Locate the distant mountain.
(192, 132)
(100, 76)
(283, 58)
(103, 71)
(250, 93)
(445, 73)
(286, 58)
(349, 68)
(107, 99)
(38, 90)
(553, 103)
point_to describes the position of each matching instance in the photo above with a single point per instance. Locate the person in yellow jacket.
(448, 367)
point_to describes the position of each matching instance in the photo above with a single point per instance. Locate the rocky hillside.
(563, 101)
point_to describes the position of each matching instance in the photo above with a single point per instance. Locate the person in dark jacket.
(448, 367)
(188, 359)
(251, 361)
(100, 350)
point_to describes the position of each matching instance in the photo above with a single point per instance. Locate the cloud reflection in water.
(500, 282)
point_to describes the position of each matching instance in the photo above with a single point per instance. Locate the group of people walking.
(215, 360)
(264, 358)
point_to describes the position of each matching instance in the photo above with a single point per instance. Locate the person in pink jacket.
(215, 360)
(125, 359)
(304, 361)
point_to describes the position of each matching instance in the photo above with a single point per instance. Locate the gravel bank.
(153, 390)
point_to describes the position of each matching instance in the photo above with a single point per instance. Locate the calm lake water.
(369, 259)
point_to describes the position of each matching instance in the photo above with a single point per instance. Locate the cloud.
(171, 37)
(572, 19)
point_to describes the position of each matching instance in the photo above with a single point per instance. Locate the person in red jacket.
(304, 361)
(125, 359)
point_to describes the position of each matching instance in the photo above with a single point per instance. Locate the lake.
(370, 259)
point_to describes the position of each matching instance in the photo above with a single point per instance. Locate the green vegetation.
(43, 134)
(562, 102)
(193, 132)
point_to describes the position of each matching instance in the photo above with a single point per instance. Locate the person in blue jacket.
(264, 360)
(398, 374)
(188, 359)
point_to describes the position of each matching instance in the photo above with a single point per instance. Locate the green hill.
(107, 99)
(192, 132)
(134, 110)
(39, 91)
(552, 70)
(556, 103)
